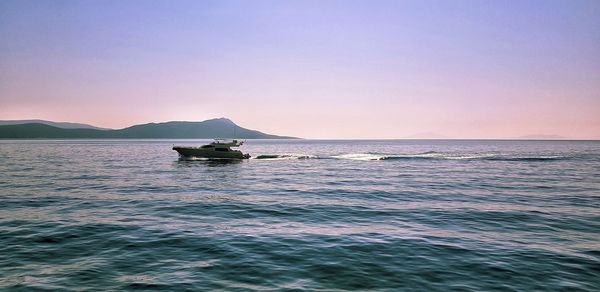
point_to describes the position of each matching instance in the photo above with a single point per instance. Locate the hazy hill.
(62, 125)
(215, 128)
(541, 137)
(427, 135)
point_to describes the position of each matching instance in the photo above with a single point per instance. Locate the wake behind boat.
(218, 149)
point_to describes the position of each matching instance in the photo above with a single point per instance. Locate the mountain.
(427, 135)
(542, 137)
(62, 125)
(214, 128)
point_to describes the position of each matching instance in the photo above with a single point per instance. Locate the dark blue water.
(303, 215)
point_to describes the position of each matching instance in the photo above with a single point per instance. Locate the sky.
(312, 69)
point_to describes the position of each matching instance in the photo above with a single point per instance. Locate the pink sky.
(308, 69)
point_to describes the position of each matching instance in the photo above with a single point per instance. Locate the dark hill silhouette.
(214, 128)
(62, 125)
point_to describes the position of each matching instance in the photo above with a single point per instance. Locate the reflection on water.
(115, 215)
(192, 162)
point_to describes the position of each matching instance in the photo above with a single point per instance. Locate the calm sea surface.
(302, 215)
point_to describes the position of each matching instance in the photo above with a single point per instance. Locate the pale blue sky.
(317, 69)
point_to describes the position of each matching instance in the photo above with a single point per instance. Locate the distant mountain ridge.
(213, 128)
(427, 135)
(62, 125)
(542, 137)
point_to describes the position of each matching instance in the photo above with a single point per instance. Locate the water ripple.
(301, 215)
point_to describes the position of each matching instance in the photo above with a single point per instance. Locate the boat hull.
(210, 154)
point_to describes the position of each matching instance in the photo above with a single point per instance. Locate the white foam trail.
(360, 156)
(379, 156)
(193, 158)
(428, 155)
(467, 157)
(287, 156)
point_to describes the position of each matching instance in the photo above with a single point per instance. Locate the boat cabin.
(224, 143)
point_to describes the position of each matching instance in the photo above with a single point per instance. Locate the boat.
(218, 149)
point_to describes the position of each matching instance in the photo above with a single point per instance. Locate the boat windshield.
(226, 142)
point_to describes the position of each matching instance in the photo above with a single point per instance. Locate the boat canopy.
(227, 142)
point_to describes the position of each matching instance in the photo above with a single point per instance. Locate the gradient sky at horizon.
(313, 69)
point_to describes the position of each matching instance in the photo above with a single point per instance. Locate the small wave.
(360, 156)
(425, 155)
(528, 158)
(284, 156)
(192, 158)
(445, 156)
(436, 155)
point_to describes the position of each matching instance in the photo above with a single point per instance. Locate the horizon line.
(102, 128)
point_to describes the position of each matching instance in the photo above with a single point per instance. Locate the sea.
(301, 215)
